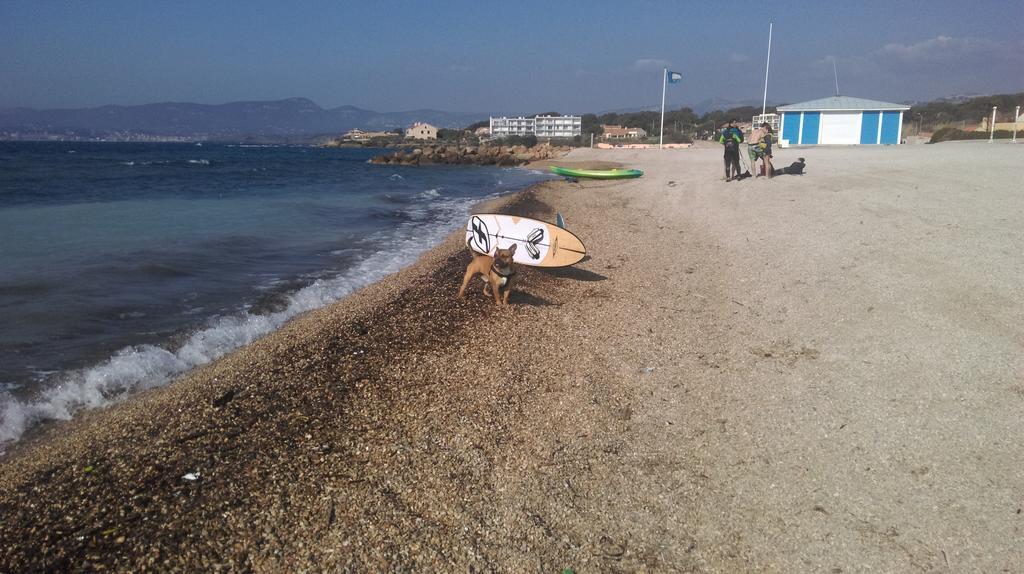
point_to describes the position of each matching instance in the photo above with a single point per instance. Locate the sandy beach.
(818, 373)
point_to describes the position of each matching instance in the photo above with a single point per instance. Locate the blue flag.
(674, 77)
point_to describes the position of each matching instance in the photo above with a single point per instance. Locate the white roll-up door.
(840, 128)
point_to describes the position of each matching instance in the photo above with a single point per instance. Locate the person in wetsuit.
(731, 137)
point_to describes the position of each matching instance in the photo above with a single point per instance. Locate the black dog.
(795, 168)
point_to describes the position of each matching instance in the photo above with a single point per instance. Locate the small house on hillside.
(619, 132)
(421, 131)
(842, 120)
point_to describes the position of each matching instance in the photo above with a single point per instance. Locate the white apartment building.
(540, 126)
(501, 127)
(558, 126)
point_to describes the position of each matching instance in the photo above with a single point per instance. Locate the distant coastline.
(292, 120)
(142, 137)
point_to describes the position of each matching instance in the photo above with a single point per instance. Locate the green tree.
(448, 135)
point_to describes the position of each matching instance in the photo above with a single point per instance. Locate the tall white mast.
(764, 102)
(664, 83)
(836, 72)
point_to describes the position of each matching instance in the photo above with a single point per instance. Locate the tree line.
(940, 113)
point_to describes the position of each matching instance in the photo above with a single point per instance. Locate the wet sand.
(807, 374)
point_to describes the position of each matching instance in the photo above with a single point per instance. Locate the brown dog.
(497, 273)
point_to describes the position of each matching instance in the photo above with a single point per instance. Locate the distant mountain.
(700, 108)
(633, 110)
(959, 98)
(282, 118)
(722, 104)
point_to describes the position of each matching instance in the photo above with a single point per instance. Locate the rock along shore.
(505, 156)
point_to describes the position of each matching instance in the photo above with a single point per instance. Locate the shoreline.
(190, 338)
(41, 429)
(99, 440)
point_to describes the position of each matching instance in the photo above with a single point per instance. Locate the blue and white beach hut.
(842, 120)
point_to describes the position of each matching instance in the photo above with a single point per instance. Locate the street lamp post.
(919, 118)
(1016, 118)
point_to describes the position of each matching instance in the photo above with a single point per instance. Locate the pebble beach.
(817, 373)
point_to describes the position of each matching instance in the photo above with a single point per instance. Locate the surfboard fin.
(559, 220)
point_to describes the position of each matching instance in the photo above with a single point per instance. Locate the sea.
(124, 265)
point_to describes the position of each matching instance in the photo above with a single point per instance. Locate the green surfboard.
(597, 173)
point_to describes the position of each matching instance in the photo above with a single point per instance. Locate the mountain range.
(700, 108)
(293, 117)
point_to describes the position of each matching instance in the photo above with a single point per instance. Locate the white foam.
(141, 367)
(199, 161)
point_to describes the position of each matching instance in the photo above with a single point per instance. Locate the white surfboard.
(540, 244)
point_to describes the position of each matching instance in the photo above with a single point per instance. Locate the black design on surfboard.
(480, 240)
(532, 239)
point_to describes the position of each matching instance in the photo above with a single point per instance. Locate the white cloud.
(738, 58)
(932, 67)
(941, 52)
(650, 65)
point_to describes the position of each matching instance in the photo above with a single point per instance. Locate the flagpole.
(664, 83)
(764, 102)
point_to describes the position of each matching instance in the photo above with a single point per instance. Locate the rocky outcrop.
(505, 156)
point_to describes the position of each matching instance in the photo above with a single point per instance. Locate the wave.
(395, 198)
(406, 199)
(166, 162)
(140, 367)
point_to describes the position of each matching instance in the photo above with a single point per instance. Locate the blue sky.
(522, 56)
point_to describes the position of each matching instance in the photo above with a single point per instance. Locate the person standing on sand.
(762, 148)
(752, 146)
(768, 139)
(731, 138)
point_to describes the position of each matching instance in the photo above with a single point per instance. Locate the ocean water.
(123, 266)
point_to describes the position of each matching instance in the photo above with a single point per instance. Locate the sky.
(520, 56)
